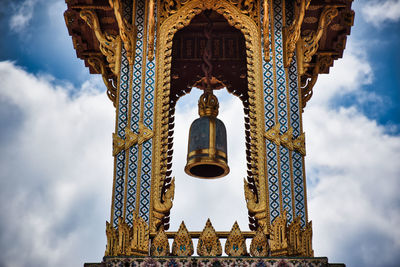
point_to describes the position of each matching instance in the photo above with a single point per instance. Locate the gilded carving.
(287, 139)
(118, 144)
(109, 79)
(128, 240)
(235, 243)
(255, 206)
(259, 246)
(159, 245)
(176, 15)
(311, 38)
(130, 138)
(109, 44)
(265, 26)
(291, 240)
(209, 244)
(183, 244)
(299, 144)
(127, 31)
(292, 33)
(279, 242)
(273, 134)
(151, 31)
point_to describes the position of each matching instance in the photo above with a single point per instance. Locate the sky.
(56, 165)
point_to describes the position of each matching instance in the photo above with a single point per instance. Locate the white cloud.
(378, 12)
(352, 171)
(56, 170)
(22, 16)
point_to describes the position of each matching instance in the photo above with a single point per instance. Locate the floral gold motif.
(209, 244)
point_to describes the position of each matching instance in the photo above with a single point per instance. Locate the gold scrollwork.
(159, 245)
(109, 44)
(310, 39)
(181, 13)
(127, 31)
(109, 79)
(291, 33)
(162, 202)
(128, 240)
(209, 244)
(273, 134)
(235, 243)
(255, 205)
(183, 244)
(248, 8)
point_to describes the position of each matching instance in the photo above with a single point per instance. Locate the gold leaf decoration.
(159, 245)
(273, 134)
(299, 144)
(235, 243)
(259, 244)
(209, 244)
(118, 144)
(128, 240)
(287, 139)
(183, 244)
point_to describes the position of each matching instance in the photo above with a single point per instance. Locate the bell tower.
(269, 54)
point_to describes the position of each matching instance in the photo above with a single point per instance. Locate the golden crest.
(259, 244)
(182, 245)
(209, 244)
(159, 245)
(235, 243)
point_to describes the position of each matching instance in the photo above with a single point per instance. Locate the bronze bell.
(207, 148)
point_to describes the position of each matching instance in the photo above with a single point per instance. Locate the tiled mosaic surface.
(213, 261)
(288, 109)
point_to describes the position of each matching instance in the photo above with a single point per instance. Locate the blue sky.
(56, 165)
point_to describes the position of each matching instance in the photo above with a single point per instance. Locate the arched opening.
(221, 200)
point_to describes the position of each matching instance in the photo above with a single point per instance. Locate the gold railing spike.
(209, 244)
(159, 245)
(182, 244)
(235, 243)
(259, 244)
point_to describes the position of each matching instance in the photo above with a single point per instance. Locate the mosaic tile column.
(285, 177)
(135, 107)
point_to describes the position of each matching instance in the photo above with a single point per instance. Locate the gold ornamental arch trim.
(161, 203)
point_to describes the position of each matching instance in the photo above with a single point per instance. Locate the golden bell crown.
(208, 105)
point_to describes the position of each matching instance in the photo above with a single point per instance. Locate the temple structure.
(269, 54)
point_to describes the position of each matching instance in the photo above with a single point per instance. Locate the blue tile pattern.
(118, 201)
(148, 106)
(286, 182)
(297, 162)
(280, 70)
(135, 114)
(271, 148)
